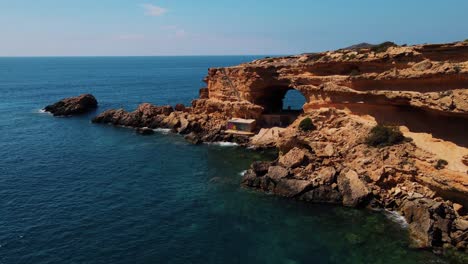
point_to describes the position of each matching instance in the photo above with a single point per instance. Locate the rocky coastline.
(424, 178)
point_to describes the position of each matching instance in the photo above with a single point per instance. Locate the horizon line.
(134, 56)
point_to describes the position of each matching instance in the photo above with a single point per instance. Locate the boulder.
(73, 106)
(294, 158)
(291, 187)
(260, 167)
(420, 223)
(327, 175)
(180, 107)
(277, 172)
(460, 224)
(323, 194)
(193, 138)
(353, 189)
(184, 124)
(422, 66)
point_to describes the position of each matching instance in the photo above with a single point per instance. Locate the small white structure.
(241, 126)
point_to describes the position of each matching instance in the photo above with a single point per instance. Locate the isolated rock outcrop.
(73, 106)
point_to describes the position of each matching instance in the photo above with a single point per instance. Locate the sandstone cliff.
(422, 90)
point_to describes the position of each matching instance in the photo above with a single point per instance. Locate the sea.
(76, 192)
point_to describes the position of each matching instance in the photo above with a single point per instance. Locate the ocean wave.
(42, 111)
(162, 130)
(397, 218)
(224, 144)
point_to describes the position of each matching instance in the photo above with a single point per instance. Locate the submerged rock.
(73, 106)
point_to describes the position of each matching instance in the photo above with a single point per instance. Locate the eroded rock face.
(334, 165)
(431, 77)
(73, 106)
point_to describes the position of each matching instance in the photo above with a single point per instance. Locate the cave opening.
(282, 105)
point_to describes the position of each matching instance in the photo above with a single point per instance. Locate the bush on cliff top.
(307, 125)
(383, 136)
(440, 165)
(382, 47)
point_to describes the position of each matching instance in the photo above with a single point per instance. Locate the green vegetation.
(383, 136)
(457, 68)
(382, 47)
(441, 164)
(307, 125)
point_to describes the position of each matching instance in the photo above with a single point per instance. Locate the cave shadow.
(282, 105)
(441, 125)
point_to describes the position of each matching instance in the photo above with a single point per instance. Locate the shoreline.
(331, 160)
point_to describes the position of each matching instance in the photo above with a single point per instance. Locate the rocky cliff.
(432, 77)
(421, 91)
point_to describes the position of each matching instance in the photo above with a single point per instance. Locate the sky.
(220, 27)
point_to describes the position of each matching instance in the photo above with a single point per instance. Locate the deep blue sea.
(76, 192)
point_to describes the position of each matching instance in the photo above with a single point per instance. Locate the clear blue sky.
(220, 27)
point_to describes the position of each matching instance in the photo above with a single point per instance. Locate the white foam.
(242, 173)
(162, 130)
(397, 218)
(224, 144)
(42, 111)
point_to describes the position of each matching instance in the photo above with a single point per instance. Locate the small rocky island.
(383, 127)
(82, 104)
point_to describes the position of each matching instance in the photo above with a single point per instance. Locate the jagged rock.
(323, 194)
(461, 224)
(420, 223)
(184, 124)
(327, 175)
(260, 167)
(458, 208)
(291, 188)
(277, 173)
(180, 107)
(145, 115)
(73, 106)
(353, 189)
(422, 66)
(193, 138)
(293, 158)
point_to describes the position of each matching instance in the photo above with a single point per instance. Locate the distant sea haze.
(76, 192)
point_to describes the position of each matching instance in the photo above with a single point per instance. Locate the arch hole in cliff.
(282, 105)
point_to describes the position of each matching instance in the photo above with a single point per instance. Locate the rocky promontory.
(73, 106)
(384, 128)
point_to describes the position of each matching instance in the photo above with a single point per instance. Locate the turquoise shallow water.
(74, 192)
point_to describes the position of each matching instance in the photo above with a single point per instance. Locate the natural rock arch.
(271, 98)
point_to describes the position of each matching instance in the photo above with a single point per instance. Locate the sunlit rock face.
(430, 77)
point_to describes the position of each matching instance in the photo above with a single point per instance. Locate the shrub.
(382, 47)
(441, 164)
(457, 68)
(382, 136)
(307, 125)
